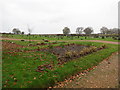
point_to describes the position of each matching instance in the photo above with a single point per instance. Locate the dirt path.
(105, 75)
(110, 42)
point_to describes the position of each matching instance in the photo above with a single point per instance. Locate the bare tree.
(88, 30)
(29, 30)
(79, 30)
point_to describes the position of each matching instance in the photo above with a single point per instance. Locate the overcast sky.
(51, 16)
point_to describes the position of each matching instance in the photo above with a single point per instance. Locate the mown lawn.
(19, 68)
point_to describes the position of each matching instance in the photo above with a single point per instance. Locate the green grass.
(37, 37)
(21, 67)
(26, 43)
(23, 43)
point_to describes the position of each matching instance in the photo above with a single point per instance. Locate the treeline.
(89, 30)
(105, 30)
(79, 31)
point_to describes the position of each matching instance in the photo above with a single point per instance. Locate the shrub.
(103, 46)
(103, 37)
(116, 38)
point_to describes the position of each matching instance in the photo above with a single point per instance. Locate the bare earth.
(105, 75)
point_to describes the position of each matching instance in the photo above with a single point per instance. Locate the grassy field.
(39, 37)
(19, 67)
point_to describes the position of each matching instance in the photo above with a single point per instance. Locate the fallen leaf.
(34, 77)
(14, 83)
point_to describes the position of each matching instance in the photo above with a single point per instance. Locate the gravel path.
(105, 75)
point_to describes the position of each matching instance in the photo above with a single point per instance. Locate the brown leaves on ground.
(43, 68)
(10, 45)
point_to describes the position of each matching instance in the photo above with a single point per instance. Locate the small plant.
(30, 44)
(50, 46)
(103, 46)
(25, 49)
(42, 43)
(55, 42)
(45, 40)
(38, 48)
(93, 49)
(103, 37)
(88, 50)
(61, 45)
(85, 51)
(68, 54)
(81, 53)
(74, 53)
(38, 43)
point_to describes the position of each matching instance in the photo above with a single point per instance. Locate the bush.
(103, 37)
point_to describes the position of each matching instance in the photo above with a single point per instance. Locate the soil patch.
(71, 51)
(41, 44)
(10, 46)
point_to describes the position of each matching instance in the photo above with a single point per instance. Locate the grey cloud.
(50, 16)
